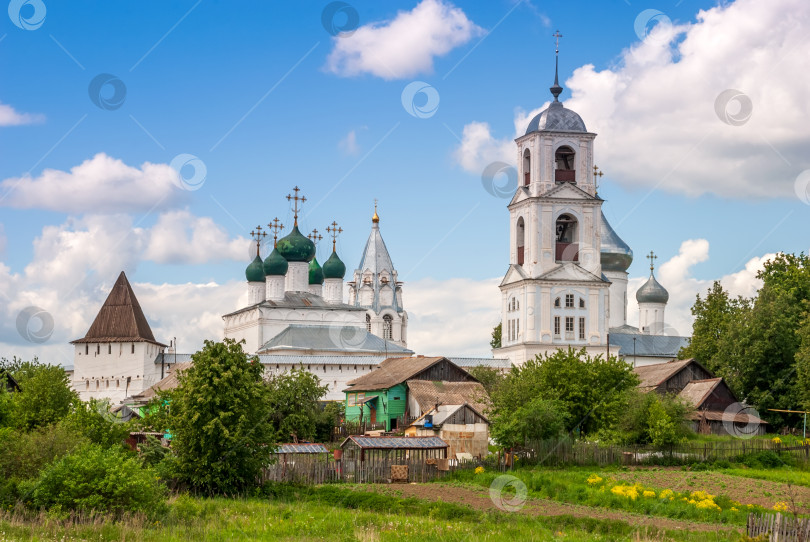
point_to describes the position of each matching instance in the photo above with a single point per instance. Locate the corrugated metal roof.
(495, 363)
(292, 359)
(664, 346)
(424, 443)
(301, 448)
(331, 338)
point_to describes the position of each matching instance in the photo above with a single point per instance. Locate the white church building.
(566, 284)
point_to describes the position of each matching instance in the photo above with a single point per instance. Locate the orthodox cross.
(315, 237)
(296, 199)
(334, 231)
(652, 257)
(276, 226)
(557, 37)
(258, 235)
(597, 173)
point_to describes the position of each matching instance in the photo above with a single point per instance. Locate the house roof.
(331, 338)
(291, 359)
(697, 391)
(168, 383)
(661, 346)
(494, 363)
(415, 443)
(428, 393)
(120, 318)
(11, 384)
(301, 448)
(443, 413)
(654, 375)
(391, 372)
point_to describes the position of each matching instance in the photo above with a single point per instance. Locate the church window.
(581, 303)
(368, 323)
(520, 234)
(582, 328)
(527, 163)
(340, 368)
(564, 165)
(388, 326)
(567, 247)
(557, 302)
(557, 326)
(569, 301)
(307, 367)
(117, 383)
(324, 368)
(86, 385)
(98, 349)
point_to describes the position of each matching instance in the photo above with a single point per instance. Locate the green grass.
(571, 486)
(328, 513)
(780, 475)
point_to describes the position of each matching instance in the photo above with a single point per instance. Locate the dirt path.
(478, 498)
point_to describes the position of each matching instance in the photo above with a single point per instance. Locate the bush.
(23, 455)
(93, 479)
(93, 420)
(45, 396)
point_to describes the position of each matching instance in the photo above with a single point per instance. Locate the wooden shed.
(370, 459)
(462, 427)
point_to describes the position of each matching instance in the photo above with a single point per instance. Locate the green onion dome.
(333, 268)
(275, 264)
(315, 272)
(255, 271)
(295, 247)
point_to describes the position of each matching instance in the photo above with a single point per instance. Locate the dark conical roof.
(120, 318)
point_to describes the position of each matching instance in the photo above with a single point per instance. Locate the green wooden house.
(382, 396)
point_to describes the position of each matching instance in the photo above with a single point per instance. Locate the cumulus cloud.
(348, 145)
(676, 276)
(479, 148)
(101, 184)
(404, 46)
(179, 237)
(10, 117)
(655, 109)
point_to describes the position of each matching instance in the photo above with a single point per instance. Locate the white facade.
(651, 318)
(114, 370)
(618, 298)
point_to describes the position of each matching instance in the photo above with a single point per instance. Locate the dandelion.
(594, 479)
(479, 470)
(781, 506)
(776, 440)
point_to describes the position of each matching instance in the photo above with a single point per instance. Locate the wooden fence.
(568, 452)
(779, 528)
(347, 429)
(307, 469)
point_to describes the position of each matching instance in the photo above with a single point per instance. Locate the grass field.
(336, 513)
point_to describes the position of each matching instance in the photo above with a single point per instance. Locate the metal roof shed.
(398, 449)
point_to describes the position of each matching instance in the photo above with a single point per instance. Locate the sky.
(152, 137)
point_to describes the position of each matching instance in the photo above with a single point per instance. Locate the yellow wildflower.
(666, 494)
(479, 469)
(594, 479)
(776, 440)
(648, 493)
(781, 506)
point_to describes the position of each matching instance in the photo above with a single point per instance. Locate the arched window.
(521, 236)
(557, 303)
(527, 167)
(368, 323)
(388, 327)
(564, 165)
(581, 303)
(567, 239)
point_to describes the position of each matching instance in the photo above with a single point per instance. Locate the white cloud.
(101, 184)
(348, 144)
(479, 147)
(179, 237)
(655, 114)
(452, 317)
(404, 46)
(676, 276)
(10, 117)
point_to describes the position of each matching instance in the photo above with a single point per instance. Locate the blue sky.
(247, 88)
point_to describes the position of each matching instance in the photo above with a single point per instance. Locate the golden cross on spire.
(315, 237)
(334, 231)
(376, 217)
(258, 235)
(557, 37)
(296, 199)
(597, 173)
(276, 226)
(652, 257)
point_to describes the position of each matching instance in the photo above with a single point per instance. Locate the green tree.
(93, 420)
(590, 389)
(45, 395)
(330, 417)
(496, 336)
(223, 435)
(803, 363)
(538, 419)
(651, 418)
(294, 403)
(489, 377)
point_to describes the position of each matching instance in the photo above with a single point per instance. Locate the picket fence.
(568, 452)
(321, 469)
(779, 528)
